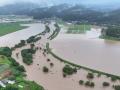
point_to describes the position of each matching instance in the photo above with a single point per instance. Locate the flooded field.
(54, 80)
(77, 48)
(92, 52)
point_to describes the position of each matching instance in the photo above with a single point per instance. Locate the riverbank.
(15, 37)
(6, 28)
(12, 74)
(110, 38)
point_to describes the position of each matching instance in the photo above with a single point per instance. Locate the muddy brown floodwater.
(94, 53)
(99, 54)
(15, 37)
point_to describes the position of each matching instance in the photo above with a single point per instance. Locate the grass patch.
(4, 60)
(77, 29)
(4, 64)
(24, 85)
(110, 38)
(6, 28)
(3, 68)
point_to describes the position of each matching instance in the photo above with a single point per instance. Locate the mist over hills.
(18, 8)
(66, 12)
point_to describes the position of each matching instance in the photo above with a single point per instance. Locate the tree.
(47, 29)
(31, 39)
(33, 86)
(68, 70)
(87, 83)
(32, 46)
(22, 42)
(27, 55)
(21, 68)
(45, 69)
(51, 64)
(90, 84)
(90, 76)
(116, 87)
(113, 79)
(106, 84)
(81, 82)
(6, 51)
(112, 32)
(10, 87)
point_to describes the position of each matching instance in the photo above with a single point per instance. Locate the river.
(15, 37)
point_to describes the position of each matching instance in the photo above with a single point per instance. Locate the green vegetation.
(8, 68)
(45, 69)
(16, 68)
(113, 79)
(90, 76)
(10, 87)
(116, 87)
(55, 32)
(89, 84)
(81, 82)
(6, 28)
(32, 86)
(77, 29)
(6, 51)
(4, 60)
(51, 64)
(68, 70)
(19, 45)
(109, 38)
(30, 40)
(47, 29)
(21, 68)
(61, 22)
(33, 39)
(4, 64)
(12, 70)
(28, 85)
(27, 55)
(111, 33)
(106, 84)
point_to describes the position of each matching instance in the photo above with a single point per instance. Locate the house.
(2, 84)
(11, 82)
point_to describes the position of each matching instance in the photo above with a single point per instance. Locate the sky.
(52, 2)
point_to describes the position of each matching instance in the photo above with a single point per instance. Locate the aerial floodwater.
(89, 51)
(15, 37)
(82, 49)
(59, 45)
